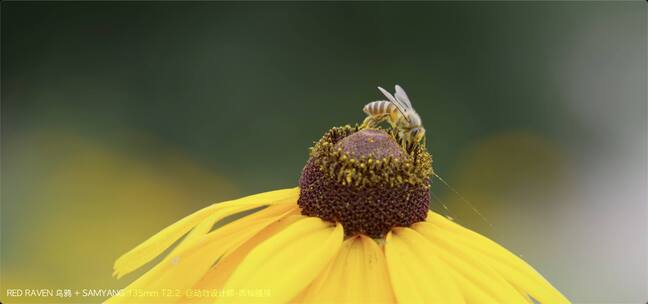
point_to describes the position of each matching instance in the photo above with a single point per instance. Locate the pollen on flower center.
(366, 181)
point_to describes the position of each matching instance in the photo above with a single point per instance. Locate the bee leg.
(395, 134)
(372, 121)
(368, 122)
(393, 119)
(402, 138)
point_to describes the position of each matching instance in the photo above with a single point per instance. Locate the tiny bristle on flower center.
(366, 181)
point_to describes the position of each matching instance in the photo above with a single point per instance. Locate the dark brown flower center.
(365, 181)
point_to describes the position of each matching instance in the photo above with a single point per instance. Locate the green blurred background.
(120, 118)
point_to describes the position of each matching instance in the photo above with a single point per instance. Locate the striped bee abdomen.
(378, 107)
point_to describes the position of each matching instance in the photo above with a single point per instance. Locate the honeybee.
(399, 113)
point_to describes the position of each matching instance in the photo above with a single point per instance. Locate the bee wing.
(402, 97)
(399, 105)
(388, 95)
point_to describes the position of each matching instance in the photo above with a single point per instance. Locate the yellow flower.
(357, 230)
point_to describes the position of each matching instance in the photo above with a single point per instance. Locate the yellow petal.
(159, 242)
(517, 272)
(286, 263)
(218, 275)
(357, 275)
(206, 226)
(170, 279)
(417, 274)
(275, 197)
(478, 282)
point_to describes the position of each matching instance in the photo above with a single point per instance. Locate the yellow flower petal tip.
(161, 241)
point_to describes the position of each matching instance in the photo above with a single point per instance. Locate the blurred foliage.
(75, 210)
(229, 79)
(498, 177)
